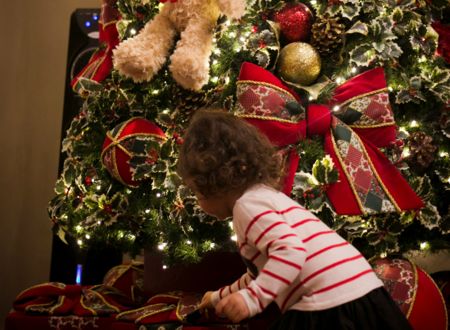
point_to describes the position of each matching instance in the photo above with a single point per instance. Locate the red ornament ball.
(295, 21)
(414, 291)
(118, 147)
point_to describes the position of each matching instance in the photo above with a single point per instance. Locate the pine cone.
(422, 151)
(189, 101)
(327, 35)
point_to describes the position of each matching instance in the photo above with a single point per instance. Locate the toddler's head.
(223, 153)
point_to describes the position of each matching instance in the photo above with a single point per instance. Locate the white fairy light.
(383, 255)
(99, 187)
(354, 70)
(88, 236)
(216, 51)
(147, 211)
(424, 245)
(164, 266)
(336, 108)
(214, 62)
(80, 242)
(339, 80)
(443, 154)
(162, 246)
(406, 152)
(215, 79)
(155, 91)
(133, 32)
(158, 194)
(188, 242)
(390, 89)
(78, 228)
(414, 123)
(232, 35)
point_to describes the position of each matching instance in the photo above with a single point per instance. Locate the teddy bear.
(143, 55)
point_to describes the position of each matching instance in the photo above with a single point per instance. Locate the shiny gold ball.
(299, 63)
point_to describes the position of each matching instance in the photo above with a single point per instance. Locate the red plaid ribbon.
(100, 63)
(368, 183)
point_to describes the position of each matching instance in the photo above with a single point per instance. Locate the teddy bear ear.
(232, 8)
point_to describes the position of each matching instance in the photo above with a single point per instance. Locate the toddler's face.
(215, 206)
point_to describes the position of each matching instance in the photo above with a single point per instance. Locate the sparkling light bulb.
(424, 245)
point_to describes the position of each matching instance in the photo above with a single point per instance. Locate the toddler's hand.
(206, 301)
(234, 307)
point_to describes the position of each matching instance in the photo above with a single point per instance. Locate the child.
(318, 280)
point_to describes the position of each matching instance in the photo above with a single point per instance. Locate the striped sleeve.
(237, 285)
(285, 251)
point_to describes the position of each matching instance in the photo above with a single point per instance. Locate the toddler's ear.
(232, 8)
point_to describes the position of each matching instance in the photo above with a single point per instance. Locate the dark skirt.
(376, 310)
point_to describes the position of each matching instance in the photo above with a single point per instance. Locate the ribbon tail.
(340, 194)
(291, 169)
(397, 187)
(100, 64)
(368, 182)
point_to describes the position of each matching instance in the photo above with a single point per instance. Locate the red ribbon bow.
(100, 63)
(368, 182)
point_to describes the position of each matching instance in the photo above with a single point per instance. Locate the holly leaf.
(359, 28)
(429, 216)
(61, 233)
(350, 11)
(403, 97)
(362, 55)
(69, 174)
(393, 50)
(60, 187)
(89, 85)
(397, 14)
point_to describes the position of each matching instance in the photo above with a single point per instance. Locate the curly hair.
(222, 152)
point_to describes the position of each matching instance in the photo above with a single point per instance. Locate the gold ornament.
(299, 63)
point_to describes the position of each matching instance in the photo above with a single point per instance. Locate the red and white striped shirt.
(301, 263)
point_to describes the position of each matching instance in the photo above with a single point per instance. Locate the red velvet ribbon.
(61, 299)
(100, 63)
(444, 39)
(374, 185)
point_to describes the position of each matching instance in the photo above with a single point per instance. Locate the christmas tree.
(119, 184)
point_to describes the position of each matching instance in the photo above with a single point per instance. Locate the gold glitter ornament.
(299, 63)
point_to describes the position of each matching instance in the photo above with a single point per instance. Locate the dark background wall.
(33, 43)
